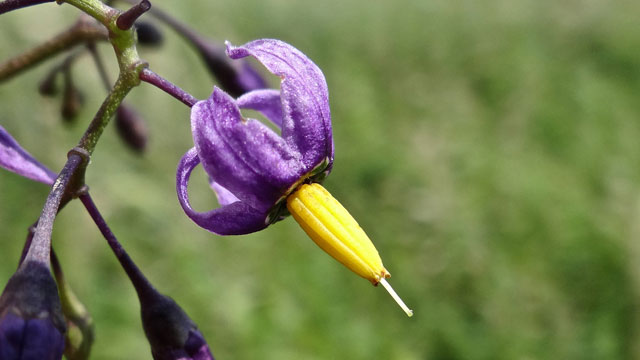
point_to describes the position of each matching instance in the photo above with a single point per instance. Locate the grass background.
(490, 149)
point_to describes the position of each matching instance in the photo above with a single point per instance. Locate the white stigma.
(395, 297)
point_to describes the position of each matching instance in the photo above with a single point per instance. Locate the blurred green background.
(490, 149)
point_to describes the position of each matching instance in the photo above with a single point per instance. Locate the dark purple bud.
(131, 127)
(171, 333)
(148, 34)
(31, 323)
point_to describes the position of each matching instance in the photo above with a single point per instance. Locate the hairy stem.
(96, 9)
(40, 248)
(104, 114)
(32, 230)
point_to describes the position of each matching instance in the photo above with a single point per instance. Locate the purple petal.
(225, 197)
(267, 101)
(244, 156)
(15, 159)
(306, 123)
(232, 219)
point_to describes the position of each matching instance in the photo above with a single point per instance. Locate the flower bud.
(171, 333)
(149, 34)
(131, 127)
(31, 323)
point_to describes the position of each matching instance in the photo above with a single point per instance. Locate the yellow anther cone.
(336, 232)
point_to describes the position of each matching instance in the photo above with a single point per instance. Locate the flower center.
(316, 175)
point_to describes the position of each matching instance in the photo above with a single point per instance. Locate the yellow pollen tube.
(336, 232)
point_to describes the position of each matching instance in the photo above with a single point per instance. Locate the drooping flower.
(260, 176)
(252, 167)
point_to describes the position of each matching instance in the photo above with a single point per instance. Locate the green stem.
(96, 9)
(104, 114)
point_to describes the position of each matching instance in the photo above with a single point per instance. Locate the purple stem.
(40, 247)
(126, 19)
(9, 5)
(143, 287)
(32, 231)
(163, 84)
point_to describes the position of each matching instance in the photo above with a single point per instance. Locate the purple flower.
(253, 169)
(16, 159)
(32, 326)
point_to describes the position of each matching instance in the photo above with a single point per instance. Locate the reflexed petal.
(307, 119)
(267, 101)
(232, 219)
(244, 156)
(15, 159)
